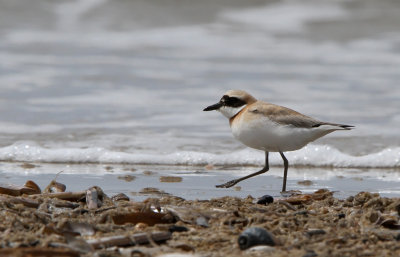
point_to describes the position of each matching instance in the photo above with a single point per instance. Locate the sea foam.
(311, 155)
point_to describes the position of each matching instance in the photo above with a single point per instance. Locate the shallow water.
(125, 82)
(199, 182)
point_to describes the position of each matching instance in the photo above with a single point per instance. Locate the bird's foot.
(228, 184)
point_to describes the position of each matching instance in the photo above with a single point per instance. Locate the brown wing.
(283, 115)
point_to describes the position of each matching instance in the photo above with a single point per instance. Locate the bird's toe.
(227, 184)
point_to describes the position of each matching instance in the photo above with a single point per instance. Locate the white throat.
(229, 112)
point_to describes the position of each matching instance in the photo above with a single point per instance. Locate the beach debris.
(29, 188)
(58, 203)
(265, 199)
(149, 173)
(318, 195)
(78, 228)
(130, 240)
(65, 224)
(388, 221)
(395, 206)
(127, 178)
(67, 196)
(305, 182)
(176, 228)
(70, 228)
(152, 191)
(27, 166)
(78, 244)
(314, 232)
(202, 221)
(310, 253)
(141, 226)
(178, 255)
(183, 247)
(209, 167)
(31, 203)
(130, 169)
(170, 179)
(149, 217)
(287, 205)
(54, 186)
(261, 249)
(12, 190)
(298, 199)
(291, 193)
(94, 197)
(38, 252)
(150, 204)
(120, 197)
(301, 212)
(189, 215)
(255, 236)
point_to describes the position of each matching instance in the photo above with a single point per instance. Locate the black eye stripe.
(232, 101)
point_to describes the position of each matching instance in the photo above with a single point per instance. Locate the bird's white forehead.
(236, 93)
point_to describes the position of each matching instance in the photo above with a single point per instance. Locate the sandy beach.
(89, 222)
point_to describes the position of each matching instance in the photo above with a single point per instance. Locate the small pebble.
(303, 212)
(310, 254)
(201, 221)
(313, 232)
(175, 228)
(265, 199)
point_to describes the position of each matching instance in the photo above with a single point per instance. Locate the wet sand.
(198, 182)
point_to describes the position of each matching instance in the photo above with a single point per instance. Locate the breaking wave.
(312, 155)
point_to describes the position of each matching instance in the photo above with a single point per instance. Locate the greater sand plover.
(269, 127)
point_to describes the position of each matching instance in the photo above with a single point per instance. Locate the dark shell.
(255, 236)
(265, 199)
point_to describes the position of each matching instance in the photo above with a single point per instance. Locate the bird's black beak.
(213, 107)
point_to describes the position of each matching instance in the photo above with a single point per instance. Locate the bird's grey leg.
(235, 181)
(286, 163)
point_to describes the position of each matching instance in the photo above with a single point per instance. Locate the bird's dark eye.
(232, 101)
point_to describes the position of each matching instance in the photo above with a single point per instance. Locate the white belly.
(264, 134)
